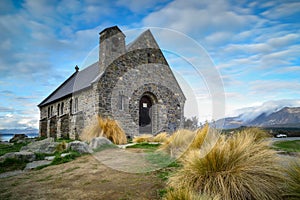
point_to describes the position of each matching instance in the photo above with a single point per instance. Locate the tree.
(191, 123)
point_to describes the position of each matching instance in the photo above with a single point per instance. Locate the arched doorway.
(145, 115)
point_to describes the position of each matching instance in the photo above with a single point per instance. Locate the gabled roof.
(145, 40)
(79, 80)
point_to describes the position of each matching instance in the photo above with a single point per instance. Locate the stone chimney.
(112, 45)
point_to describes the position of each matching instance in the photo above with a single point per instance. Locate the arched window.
(58, 109)
(62, 108)
(76, 105)
(51, 111)
(149, 57)
(48, 112)
(71, 106)
(121, 101)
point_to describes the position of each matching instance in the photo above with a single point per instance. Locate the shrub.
(178, 143)
(293, 184)
(105, 127)
(61, 146)
(238, 167)
(161, 137)
(143, 138)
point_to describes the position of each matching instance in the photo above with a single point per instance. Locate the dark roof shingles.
(76, 82)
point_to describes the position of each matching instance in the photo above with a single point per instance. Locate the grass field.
(289, 146)
(5, 148)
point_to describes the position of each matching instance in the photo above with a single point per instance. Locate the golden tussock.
(104, 127)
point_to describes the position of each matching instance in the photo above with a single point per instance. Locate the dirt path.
(84, 178)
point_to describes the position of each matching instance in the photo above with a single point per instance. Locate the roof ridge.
(60, 86)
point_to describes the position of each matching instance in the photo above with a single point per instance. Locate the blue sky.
(255, 46)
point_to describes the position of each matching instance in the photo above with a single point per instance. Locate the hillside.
(288, 117)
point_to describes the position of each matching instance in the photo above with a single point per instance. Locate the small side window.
(76, 104)
(71, 106)
(58, 109)
(62, 108)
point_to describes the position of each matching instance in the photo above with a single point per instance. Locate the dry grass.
(186, 194)
(143, 138)
(161, 137)
(199, 137)
(178, 143)
(293, 184)
(257, 133)
(61, 146)
(239, 167)
(105, 127)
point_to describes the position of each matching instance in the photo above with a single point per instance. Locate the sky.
(252, 46)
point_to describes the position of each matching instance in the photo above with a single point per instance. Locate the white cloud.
(199, 18)
(274, 86)
(282, 9)
(250, 113)
(138, 6)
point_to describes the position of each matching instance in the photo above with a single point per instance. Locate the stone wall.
(53, 127)
(71, 122)
(43, 127)
(65, 126)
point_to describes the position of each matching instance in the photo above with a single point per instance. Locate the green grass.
(289, 146)
(11, 164)
(6, 148)
(146, 146)
(64, 140)
(105, 146)
(59, 160)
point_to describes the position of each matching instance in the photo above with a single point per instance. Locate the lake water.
(7, 137)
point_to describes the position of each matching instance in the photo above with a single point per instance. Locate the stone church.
(131, 83)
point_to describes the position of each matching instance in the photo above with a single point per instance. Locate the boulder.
(36, 164)
(80, 147)
(18, 138)
(22, 155)
(99, 141)
(49, 158)
(64, 154)
(47, 146)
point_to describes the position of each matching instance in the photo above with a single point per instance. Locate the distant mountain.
(285, 117)
(18, 131)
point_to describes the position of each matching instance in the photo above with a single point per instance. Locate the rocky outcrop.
(22, 155)
(47, 146)
(19, 138)
(99, 141)
(80, 147)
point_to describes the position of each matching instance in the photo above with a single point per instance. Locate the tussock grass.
(293, 184)
(187, 194)
(199, 137)
(178, 143)
(238, 167)
(258, 133)
(61, 146)
(104, 127)
(161, 137)
(143, 138)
